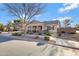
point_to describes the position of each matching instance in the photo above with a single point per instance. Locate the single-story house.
(38, 26)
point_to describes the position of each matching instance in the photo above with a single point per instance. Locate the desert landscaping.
(38, 29)
(29, 47)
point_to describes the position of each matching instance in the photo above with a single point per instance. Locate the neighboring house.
(16, 25)
(10, 27)
(19, 25)
(37, 26)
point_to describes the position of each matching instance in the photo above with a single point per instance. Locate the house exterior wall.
(43, 25)
(53, 27)
(31, 26)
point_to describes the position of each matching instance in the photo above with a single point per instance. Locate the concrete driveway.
(22, 48)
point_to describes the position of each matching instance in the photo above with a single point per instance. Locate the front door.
(34, 28)
(39, 28)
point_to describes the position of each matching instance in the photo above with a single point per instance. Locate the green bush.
(5, 29)
(46, 38)
(16, 34)
(29, 32)
(34, 31)
(47, 33)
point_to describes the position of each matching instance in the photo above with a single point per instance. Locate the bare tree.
(67, 23)
(25, 11)
(77, 26)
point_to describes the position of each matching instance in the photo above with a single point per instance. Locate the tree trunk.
(25, 30)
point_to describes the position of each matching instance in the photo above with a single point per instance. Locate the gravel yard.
(27, 46)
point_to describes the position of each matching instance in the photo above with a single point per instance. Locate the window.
(48, 27)
(40, 27)
(34, 27)
(53, 28)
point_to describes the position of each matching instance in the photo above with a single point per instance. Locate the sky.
(53, 11)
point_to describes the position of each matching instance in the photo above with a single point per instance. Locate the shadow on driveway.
(5, 38)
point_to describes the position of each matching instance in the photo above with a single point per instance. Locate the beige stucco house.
(38, 26)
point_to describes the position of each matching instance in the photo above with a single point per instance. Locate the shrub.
(36, 37)
(39, 33)
(59, 34)
(22, 32)
(34, 31)
(11, 28)
(62, 32)
(72, 33)
(0, 32)
(47, 33)
(29, 32)
(5, 29)
(46, 38)
(16, 34)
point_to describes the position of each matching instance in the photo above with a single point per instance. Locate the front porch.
(35, 29)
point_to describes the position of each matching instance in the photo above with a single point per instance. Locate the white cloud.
(68, 7)
(54, 19)
(38, 15)
(62, 18)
